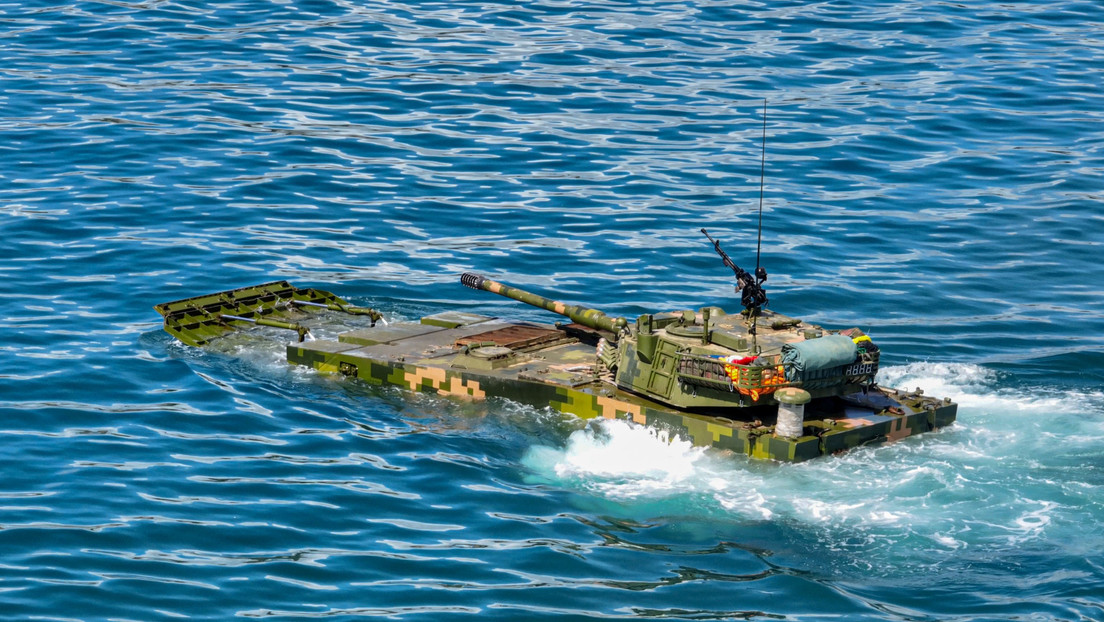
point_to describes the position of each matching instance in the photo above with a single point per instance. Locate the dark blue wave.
(933, 174)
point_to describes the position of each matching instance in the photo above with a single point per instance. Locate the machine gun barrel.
(741, 275)
(752, 295)
(586, 316)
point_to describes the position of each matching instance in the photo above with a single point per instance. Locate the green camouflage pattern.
(586, 397)
(683, 358)
(666, 370)
(196, 321)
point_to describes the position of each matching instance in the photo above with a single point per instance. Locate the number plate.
(859, 369)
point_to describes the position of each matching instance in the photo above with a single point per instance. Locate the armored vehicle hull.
(731, 381)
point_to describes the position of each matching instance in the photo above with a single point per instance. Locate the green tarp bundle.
(813, 355)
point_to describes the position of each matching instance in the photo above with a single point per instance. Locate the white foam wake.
(621, 460)
(976, 484)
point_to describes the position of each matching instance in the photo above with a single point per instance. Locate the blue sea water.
(934, 174)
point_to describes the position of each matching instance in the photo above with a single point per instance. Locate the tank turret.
(712, 360)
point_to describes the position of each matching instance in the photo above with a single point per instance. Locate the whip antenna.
(762, 175)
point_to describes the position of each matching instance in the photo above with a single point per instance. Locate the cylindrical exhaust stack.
(791, 411)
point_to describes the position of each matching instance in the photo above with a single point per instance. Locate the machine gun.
(751, 291)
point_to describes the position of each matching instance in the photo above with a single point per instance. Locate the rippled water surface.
(934, 174)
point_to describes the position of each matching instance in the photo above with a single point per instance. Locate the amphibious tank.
(751, 381)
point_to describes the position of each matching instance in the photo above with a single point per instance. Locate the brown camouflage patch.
(851, 424)
(609, 407)
(898, 430)
(416, 378)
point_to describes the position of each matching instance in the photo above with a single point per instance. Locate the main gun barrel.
(586, 316)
